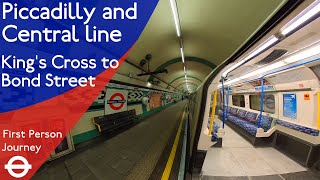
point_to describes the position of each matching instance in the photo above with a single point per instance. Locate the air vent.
(272, 56)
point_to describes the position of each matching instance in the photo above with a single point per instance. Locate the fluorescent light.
(184, 69)
(232, 68)
(264, 69)
(232, 81)
(175, 16)
(262, 47)
(303, 54)
(301, 18)
(294, 58)
(185, 76)
(182, 54)
(256, 72)
(149, 84)
(266, 44)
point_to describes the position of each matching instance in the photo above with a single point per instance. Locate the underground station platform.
(118, 155)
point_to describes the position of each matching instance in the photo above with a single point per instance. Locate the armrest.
(98, 125)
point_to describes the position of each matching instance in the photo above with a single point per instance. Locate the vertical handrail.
(213, 111)
(318, 97)
(261, 102)
(223, 105)
(228, 94)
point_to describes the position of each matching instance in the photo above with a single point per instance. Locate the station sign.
(116, 101)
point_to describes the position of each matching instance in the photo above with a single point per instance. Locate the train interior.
(269, 96)
(211, 90)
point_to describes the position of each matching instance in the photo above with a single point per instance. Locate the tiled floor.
(130, 155)
(238, 159)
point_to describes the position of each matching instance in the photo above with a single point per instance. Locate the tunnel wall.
(134, 96)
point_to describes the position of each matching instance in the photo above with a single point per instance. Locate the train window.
(238, 100)
(268, 103)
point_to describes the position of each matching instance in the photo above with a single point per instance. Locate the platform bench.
(114, 121)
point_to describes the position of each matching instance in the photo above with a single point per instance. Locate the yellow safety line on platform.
(167, 170)
(318, 95)
(213, 112)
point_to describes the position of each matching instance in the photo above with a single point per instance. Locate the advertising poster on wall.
(168, 98)
(155, 100)
(290, 106)
(116, 101)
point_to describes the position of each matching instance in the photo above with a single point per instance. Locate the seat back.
(233, 110)
(100, 119)
(266, 122)
(251, 116)
(241, 113)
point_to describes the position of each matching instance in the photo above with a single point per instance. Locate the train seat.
(241, 113)
(248, 121)
(215, 128)
(266, 122)
(307, 130)
(245, 125)
(233, 111)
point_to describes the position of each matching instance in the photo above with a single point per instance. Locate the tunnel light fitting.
(175, 16)
(185, 76)
(182, 54)
(302, 18)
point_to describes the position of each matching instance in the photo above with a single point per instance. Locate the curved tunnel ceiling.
(212, 30)
(177, 83)
(183, 78)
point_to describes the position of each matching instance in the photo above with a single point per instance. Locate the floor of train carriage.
(133, 154)
(238, 159)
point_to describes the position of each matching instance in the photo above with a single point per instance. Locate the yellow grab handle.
(213, 112)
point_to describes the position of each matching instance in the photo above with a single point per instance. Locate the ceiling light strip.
(174, 9)
(265, 45)
(307, 14)
(300, 55)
